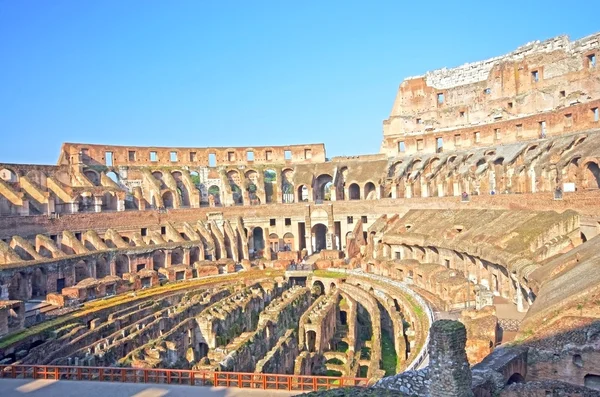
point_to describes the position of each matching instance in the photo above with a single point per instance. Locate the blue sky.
(238, 73)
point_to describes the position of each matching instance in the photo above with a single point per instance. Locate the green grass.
(329, 274)
(389, 357)
(331, 372)
(335, 361)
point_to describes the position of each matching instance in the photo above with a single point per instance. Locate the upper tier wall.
(539, 77)
(75, 153)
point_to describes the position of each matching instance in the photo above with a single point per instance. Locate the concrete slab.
(64, 388)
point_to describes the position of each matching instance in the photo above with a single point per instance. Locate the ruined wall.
(547, 79)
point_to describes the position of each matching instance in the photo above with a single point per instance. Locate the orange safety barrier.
(180, 377)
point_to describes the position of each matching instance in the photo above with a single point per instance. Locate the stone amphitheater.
(461, 260)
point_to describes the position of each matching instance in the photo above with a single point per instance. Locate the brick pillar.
(449, 369)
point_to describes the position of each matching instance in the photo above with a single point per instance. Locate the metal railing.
(180, 377)
(422, 355)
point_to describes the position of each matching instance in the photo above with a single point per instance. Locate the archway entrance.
(258, 241)
(354, 192)
(319, 233)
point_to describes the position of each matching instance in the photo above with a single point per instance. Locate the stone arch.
(18, 288)
(354, 191)
(288, 241)
(233, 177)
(287, 185)
(121, 265)
(177, 256)
(270, 181)
(370, 192)
(318, 288)
(215, 193)
(311, 341)
(322, 187)
(92, 176)
(158, 175)
(319, 237)
(168, 199)
(302, 193)
(39, 283)
(102, 267)
(592, 381)
(158, 259)
(82, 271)
(182, 190)
(194, 255)
(110, 201)
(274, 242)
(515, 378)
(258, 240)
(113, 176)
(591, 175)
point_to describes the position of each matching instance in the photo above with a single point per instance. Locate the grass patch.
(389, 357)
(335, 361)
(329, 274)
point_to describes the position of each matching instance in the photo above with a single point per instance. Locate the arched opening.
(270, 185)
(158, 259)
(318, 288)
(202, 350)
(311, 340)
(182, 191)
(8, 175)
(583, 237)
(354, 192)
(592, 175)
(274, 243)
(288, 242)
(159, 177)
(577, 360)
(258, 240)
(121, 265)
(592, 381)
(287, 186)
(215, 193)
(39, 281)
(81, 271)
(302, 193)
(515, 378)
(85, 203)
(370, 193)
(343, 317)
(109, 201)
(113, 176)
(234, 183)
(92, 176)
(322, 187)
(319, 237)
(102, 267)
(167, 199)
(194, 255)
(177, 256)
(332, 286)
(17, 288)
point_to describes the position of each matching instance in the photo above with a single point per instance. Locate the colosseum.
(460, 260)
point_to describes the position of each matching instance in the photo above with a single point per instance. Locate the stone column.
(449, 369)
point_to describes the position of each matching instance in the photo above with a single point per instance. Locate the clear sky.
(239, 73)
